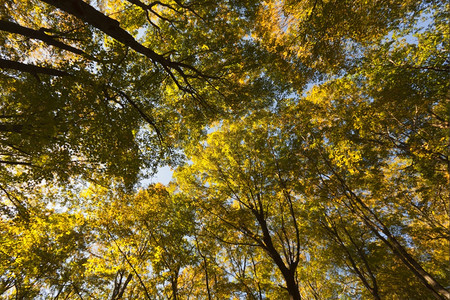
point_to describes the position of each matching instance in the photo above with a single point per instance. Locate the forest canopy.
(310, 143)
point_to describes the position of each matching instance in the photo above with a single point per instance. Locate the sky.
(163, 175)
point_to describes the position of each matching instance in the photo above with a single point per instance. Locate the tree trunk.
(438, 291)
(287, 272)
(370, 218)
(291, 284)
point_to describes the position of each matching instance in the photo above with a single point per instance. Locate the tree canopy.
(310, 142)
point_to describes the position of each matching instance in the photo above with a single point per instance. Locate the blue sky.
(163, 175)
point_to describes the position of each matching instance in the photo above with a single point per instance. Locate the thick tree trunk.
(292, 286)
(287, 272)
(174, 284)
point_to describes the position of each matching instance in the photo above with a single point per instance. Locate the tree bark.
(174, 284)
(14, 65)
(439, 292)
(364, 212)
(38, 35)
(287, 272)
(111, 27)
(17, 128)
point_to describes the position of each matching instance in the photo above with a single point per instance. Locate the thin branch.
(130, 264)
(146, 117)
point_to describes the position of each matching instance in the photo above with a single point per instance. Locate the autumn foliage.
(309, 141)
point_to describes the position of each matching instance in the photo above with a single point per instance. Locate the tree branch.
(39, 35)
(111, 27)
(32, 69)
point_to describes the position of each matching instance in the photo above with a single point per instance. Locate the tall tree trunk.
(438, 291)
(291, 284)
(370, 218)
(287, 272)
(174, 284)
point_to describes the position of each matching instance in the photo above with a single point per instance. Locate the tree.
(398, 138)
(242, 177)
(41, 254)
(83, 93)
(313, 139)
(315, 151)
(141, 244)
